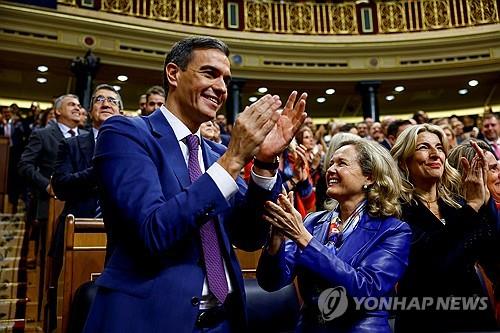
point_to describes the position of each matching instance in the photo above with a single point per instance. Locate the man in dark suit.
(74, 180)
(38, 158)
(171, 227)
(490, 132)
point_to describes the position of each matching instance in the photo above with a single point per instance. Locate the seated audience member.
(362, 128)
(395, 128)
(45, 117)
(224, 129)
(142, 105)
(18, 136)
(295, 172)
(83, 118)
(490, 133)
(421, 117)
(312, 151)
(348, 128)
(207, 130)
(441, 122)
(360, 246)
(448, 231)
(74, 180)
(377, 134)
(155, 98)
(450, 135)
(458, 128)
(319, 136)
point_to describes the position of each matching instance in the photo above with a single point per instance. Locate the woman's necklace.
(430, 202)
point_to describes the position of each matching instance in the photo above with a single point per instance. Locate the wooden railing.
(309, 18)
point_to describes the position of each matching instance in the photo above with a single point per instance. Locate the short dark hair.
(490, 115)
(155, 90)
(105, 86)
(393, 127)
(182, 52)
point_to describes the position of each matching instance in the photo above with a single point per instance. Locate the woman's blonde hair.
(404, 149)
(383, 195)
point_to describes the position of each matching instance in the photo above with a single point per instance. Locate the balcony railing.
(308, 18)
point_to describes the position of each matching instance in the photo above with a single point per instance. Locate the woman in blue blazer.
(359, 249)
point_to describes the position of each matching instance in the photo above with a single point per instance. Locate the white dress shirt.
(224, 181)
(65, 130)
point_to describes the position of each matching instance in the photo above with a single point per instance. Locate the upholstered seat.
(275, 312)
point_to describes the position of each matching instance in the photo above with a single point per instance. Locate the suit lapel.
(359, 238)
(320, 228)
(57, 133)
(209, 156)
(168, 142)
(86, 145)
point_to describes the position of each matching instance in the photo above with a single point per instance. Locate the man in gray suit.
(38, 159)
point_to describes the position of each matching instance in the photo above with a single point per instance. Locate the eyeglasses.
(111, 100)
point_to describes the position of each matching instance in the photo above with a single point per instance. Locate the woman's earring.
(365, 188)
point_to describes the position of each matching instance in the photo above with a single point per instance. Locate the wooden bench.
(84, 254)
(248, 262)
(55, 209)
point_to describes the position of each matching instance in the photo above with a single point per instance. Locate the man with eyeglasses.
(155, 98)
(38, 160)
(73, 180)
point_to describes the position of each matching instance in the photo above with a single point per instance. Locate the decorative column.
(233, 105)
(85, 70)
(368, 91)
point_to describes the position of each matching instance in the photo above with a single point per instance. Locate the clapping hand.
(292, 117)
(474, 179)
(287, 219)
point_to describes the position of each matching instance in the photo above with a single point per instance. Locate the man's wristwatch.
(267, 165)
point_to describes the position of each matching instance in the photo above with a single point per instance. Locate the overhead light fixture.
(262, 90)
(390, 97)
(463, 91)
(399, 88)
(320, 99)
(122, 78)
(330, 91)
(42, 68)
(252, 99)
(473, 83)
(117, 88)
(41, 80)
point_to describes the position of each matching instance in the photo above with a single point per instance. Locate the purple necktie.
(496, 149)
(211, 251)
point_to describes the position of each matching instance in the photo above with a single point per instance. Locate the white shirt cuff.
(266, 183)
(226, 184)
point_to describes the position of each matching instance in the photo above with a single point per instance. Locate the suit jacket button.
(195, 301)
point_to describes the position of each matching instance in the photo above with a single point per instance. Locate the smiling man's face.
(203, 85)
(105, 104)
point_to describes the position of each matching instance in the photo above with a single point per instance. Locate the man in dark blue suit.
(158, 203)
(74, 180)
